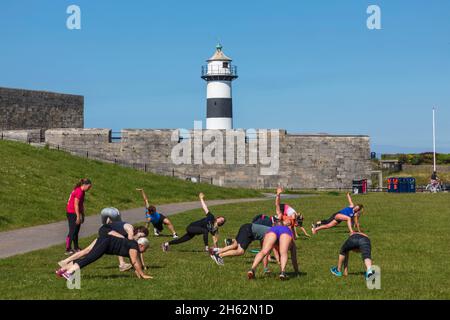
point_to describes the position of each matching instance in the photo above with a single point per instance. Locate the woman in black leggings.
(115, 229)
(75, 214)
(207, 225)
(113, 246)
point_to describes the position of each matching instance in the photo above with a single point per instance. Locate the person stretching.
(265, 220)
(350, 215)
(157, 219)
(109, 215)
(115, 229)
(299, 224)
(280, 238)
(286, 212)
(75, 214)
(112, 246)
(209, 224)
(357, 242)
(248, 233)
(125, 230)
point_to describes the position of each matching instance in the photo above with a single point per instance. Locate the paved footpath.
(40, 237)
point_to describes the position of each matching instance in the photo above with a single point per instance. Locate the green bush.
(420, 158)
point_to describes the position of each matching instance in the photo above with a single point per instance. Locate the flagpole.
(434, 139)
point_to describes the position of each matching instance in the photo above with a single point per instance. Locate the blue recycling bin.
(402, 185)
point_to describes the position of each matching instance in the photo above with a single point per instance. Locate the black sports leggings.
(99, 249)
(74, 229)
(192, 231)
(329, 220)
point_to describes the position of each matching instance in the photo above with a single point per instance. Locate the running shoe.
(283, 276)
(213, 256)
(165, 246)
(267, 271)
(251, 274)
(59, 272)
(336, 272)
(219, 260)
(69, 252)
(125, 267)
(156, 232)
(68, 276)
(369, 275)
(175, 236)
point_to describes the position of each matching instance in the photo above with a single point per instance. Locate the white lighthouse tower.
(219, 73)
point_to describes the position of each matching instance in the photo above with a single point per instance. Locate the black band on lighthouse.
(219, 108)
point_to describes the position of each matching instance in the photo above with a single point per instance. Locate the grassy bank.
(35, 185)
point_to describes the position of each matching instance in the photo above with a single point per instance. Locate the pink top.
(79, 194)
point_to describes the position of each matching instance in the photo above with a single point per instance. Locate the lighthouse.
(219, 73)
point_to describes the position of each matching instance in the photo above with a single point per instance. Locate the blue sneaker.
(334, 270)
(369, 275)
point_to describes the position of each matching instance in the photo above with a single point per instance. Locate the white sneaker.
(125, 267)
(156, 232)
(175, 236)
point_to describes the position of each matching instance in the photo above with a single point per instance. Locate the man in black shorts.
(248, 233)
(357, 242)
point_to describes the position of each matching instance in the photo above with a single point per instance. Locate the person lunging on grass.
(349, 214)
(75, 214)
(204, 227)
(357, 242)
(157, 219)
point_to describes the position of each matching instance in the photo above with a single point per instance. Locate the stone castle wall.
(28, 109)
(305, 161)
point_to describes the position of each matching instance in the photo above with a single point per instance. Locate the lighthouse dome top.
(219, 55)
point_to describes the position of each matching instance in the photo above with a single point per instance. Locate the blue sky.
(305, 66)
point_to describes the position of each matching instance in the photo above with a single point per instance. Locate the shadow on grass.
(161, 236)
(291, 275)
(201, 251)
(361, 273)
(111, 276)
(116, 267)
(4, 220)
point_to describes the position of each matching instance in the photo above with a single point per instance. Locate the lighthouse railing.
(208, 70)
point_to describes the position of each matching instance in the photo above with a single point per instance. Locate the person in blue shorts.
(157, 219)
(278, 238)
(349, 214)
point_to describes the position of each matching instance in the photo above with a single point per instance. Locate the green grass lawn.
(410, 237)
(35, 185)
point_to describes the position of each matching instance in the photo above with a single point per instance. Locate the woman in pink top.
(75, 214)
